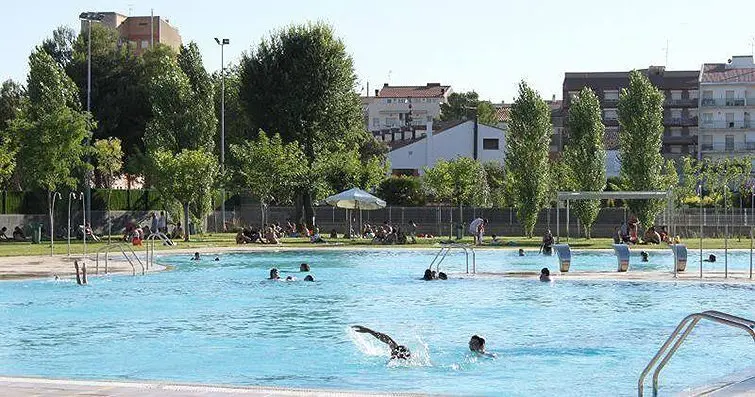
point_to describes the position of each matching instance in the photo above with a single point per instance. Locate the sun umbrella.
(355, 199)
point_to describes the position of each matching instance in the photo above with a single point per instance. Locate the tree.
(495, 176)
(640, 138)
(460, 181)
(186, 178)
(109, 158)
(237, 128)
(402, 190)
(585, 155)
(60, 45)
(300, 83)
(462, 106)
(527, 154)
(183, 114)
(12, 96)
(51, 128)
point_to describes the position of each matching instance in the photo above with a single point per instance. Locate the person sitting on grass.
(399, 352)
(270, 236)
(3, 237)
(241, 238)
(495, 240)
(545, 275)
(316, 238)
(333, 233)
(477, 345)
(178, 232)
(18, 234)
(651, 236)
(367, 231)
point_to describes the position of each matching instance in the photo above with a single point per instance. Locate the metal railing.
(726, 125)
(739, 101)
(150, 246)
(441, 255)
(689, 322)
(120, 246)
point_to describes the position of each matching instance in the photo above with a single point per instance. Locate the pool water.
(222, 322)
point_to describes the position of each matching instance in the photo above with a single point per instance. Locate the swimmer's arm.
(380, 336)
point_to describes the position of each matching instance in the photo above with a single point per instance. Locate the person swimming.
(309, 278)
(304, 267)
(274, 274)
(545, 275)
(290, 278)
(521, 252)
(442, 276)
(400, 352)
(428, 275)
(217, 258)
(711, 258)
(195, 257)
(477, 345)
(644, 256)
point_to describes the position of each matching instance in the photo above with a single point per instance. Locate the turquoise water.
(221, 322)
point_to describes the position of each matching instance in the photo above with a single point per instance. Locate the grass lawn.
(228, 240)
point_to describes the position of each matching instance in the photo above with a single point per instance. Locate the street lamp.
(222, 43)
(89, 17)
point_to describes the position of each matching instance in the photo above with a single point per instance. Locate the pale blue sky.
(487, 46)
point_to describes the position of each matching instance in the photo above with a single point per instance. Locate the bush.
(402, 191)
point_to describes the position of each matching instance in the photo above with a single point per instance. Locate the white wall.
(449, 144)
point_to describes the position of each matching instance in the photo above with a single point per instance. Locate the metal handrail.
(447, 248)
(692, 320)
(150, 246)
(106, 250)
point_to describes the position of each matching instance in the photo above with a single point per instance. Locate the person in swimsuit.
(397, 351)
(477, 345)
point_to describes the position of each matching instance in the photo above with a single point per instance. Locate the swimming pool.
(219, 322)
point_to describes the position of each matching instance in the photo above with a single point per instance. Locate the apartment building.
(680, 109)
(727, 104)
(140, 32)
(399, 106)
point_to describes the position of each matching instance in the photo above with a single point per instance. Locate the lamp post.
(222, 43)
(89, 17)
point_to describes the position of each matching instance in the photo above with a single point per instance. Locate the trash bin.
(36, 233)
(459, 231)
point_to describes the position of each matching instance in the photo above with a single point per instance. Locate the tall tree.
(300, 83)
(109, 163)
(119, 99)
(52, 129)
(640, 138)
(464, 105)
(460, 181)
(237, 128)
(185, 177)
(527, 154)
(60, 45)
(585, 155)
(495, 176)
(12, 96)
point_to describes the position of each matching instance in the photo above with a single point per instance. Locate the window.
(145, 43)
(693, 94)
(610, 114)
(676, 113)
(611, 95)
(693, 131)
(404, 172)
(707, 142)
(676, 149)
(729, 120)
(707, 118)
(490, 144)
(676, 95)
(729, 94)
(692, 113)
(376, 122)
(729, 143)
(429, 119)
(388, 100)
(708, 94)
(391, 121)
(676, 131)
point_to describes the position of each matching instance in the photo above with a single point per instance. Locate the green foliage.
(182, 114)
(270, 169)
(346, 170)
(460, 181)
(527, 154)
(585, 155)
(401, 190)
(640, 135)
(462, 106)
(498, 184)
(60, 45)
(236, 123)
(109, 159)
(11, 101)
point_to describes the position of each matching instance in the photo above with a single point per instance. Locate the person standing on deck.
(477, 229)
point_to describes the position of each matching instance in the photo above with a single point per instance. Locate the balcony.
(738, 147)
(690, 102)
(726, 125)
(727, 102)
(680, 121)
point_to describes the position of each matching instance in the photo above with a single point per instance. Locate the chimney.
(554, 98)
(385, 85)
(377, 92)
(429, 145)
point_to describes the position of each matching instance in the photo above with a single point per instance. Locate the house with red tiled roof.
(727, 104)
(402, 106)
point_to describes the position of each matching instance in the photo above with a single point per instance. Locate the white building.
(399, 106)
(410, 156)
(727, 102)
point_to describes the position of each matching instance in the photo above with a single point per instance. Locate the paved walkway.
(39, 387)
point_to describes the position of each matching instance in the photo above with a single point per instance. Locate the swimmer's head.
(274, 275)
(434, 274)
(401, 352)
(289, 278)
(545, 272)
(442, 276)
(309, 278)
(477, 344)
(711, 258)
(304, 267)
(644, 256)
(217, 259)
(428, 275)
(521, 252)
(196, 255)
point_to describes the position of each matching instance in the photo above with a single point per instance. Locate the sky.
(486, 46)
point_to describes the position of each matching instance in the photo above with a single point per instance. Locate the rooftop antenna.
(666, 49)
(390, 72)
(130, 9)
(752, 46)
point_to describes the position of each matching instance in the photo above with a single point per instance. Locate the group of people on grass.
(18, 234)
(628, 233)
(135, 232)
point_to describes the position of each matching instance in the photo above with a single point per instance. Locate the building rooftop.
(431, 90)
(658, 75)
(723, 73)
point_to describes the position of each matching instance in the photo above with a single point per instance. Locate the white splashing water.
(370, 346)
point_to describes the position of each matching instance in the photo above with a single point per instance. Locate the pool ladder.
(125, 250)
(150, 246)
(441, 255)
(689, 322)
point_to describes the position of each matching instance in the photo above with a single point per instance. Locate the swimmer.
(644, 256)
(195, 257)
(290, 278)
(428, 275)
(309, 278)
(304, 267)
(711, 258)
(217, 258)
(442, 276)
(397, 351)
(274, 275)
(477, 345)
(545, 275)
(521, 252)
